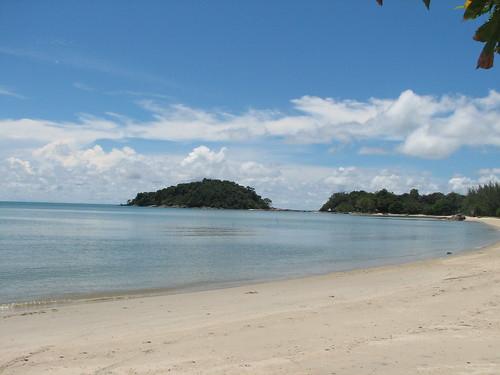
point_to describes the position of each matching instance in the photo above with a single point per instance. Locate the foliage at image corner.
(488, 33)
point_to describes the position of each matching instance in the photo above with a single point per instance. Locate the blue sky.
(100, 99)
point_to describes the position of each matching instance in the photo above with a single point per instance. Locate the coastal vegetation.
(206, 193)
(483, 200)
(480, 201)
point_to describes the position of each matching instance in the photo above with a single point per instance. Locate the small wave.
(209, 231)
(26, 305)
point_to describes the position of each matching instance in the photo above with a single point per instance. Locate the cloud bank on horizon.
(65, 161)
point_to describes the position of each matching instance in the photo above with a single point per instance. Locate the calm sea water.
(58, 250)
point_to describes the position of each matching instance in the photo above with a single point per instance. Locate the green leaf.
(485, 32)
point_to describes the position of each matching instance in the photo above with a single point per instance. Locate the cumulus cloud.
(65, 171)
(204, 155)
(489, 175)
(203, 162)
(66, 154)
(355, 178)
(461, 184)
(417, 125)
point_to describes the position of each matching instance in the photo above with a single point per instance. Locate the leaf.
(487, 56)
(476, 8)
(490, 30)
(465, 6)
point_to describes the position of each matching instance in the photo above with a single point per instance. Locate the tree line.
(483, 200)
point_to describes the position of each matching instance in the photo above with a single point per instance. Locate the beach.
(438, 316)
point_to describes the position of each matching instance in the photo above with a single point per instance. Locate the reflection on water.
(55, 250)
(210, 231)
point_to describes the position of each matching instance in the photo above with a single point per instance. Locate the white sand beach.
(439, 316)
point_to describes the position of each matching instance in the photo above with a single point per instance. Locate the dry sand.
(434, 317)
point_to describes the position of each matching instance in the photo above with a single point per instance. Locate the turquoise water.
(58, 250)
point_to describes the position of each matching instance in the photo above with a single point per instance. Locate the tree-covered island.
(206, 193)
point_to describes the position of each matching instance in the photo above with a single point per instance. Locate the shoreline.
(438, 316)
(408, 216)
(116, 295)
(110, 295)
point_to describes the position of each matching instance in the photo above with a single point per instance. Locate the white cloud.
(372, 151)
(204, 154)
(82, 86)
(67, 155)
(65, 171)
(419, 126)
(203, 162)
(74, 59)
(6, 92)
(495, 171)
(142, 94)
(487, 176)
(373, 179)
(23, 165)
(85, 131)
(461, 184)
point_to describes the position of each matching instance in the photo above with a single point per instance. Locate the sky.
(300, 99)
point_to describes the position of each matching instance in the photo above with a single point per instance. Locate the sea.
(60, 252)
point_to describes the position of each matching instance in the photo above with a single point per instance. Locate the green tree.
(268, 202)
(396, 208)
(411, 207)
(414, 194)
(483, 200)
(488, 33)
(344, 207)
(384, 200)
(365, 204)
